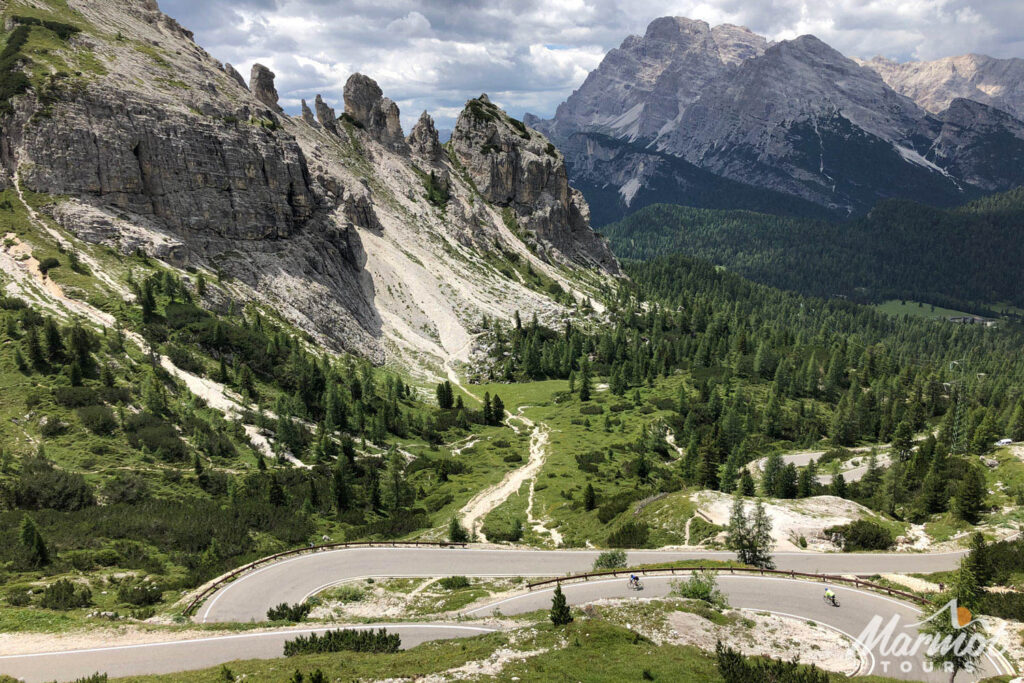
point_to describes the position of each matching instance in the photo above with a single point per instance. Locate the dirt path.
(483, 503)
(670, 439)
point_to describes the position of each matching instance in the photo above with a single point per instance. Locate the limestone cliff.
(371, 242)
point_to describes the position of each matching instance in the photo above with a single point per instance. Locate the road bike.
(831, 601)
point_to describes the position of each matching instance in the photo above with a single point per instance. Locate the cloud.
(530, 54)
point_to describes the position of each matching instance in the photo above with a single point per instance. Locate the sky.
(529, 55)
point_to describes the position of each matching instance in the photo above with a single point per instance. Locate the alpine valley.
(289, 393)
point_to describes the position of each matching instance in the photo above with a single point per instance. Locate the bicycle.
(635, 585)
(832, 601)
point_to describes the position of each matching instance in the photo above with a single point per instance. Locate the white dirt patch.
(30, 643)
(770, 636)
(492, 666)
(791, 519)
(480, 505)
(912, 582)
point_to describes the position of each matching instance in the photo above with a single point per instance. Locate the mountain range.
(720, 117)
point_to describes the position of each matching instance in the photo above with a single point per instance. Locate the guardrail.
(858, 583)
(216, 585)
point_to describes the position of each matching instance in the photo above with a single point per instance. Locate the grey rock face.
(796, 118)
(980, 144)
(934, 85)
(324, 114)
(648, 81)
(261, 83)
(194, 173)
(307, 114)
(519, 169)
(235, 76)
(423, 139)
(379, 116)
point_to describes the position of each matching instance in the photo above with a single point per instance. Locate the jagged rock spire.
(232, 72)
(261, 83)
(307, 114)
(423, 139)
(324, 113)
(379, 116)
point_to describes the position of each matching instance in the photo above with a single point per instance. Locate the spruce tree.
(839, 486)
(36, 553)
(497, 410)
(456, 532)
(589, 497)
(560, 613)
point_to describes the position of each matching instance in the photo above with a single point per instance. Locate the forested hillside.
(968, 258)
(740, 371)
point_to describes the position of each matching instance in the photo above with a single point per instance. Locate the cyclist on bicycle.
(634, 581)
(830, 595)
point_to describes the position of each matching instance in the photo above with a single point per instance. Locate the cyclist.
(830, 596)
(634, 581)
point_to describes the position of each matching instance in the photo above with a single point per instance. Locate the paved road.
(185, 655)
(248, 598)
(293, 580)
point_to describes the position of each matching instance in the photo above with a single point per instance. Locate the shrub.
(155, 435)
(733, 667)
(18, 598)
(286, 612)
(630, 535)
(451, 583)
(610, 559)
(347, 593)
(52, 427)
(64, 595)
(513, 457)
(456, 532)
(42, 485)
(591, 409)
(701, 529)
(140, 593)
(75, 397)
(862, 534)
(97, 419)
(48, 264)
(126, 488)
(617, 505)
(700, 586)
(344, 640)
(504, 534)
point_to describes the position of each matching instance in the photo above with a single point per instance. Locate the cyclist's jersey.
(829, 593)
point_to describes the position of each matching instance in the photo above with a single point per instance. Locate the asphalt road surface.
(292, 580)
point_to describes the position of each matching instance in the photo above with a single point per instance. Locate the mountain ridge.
(341, 223)
(795, 117)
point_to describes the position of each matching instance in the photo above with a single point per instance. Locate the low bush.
(286, 612)
(700, 586)
(630, 535)
(98, 419)
(347, 593)
(344, 640)
(451, 583)
(140, 593)
(862, 534)
(733, 667)
(610, 559)
(64, 595)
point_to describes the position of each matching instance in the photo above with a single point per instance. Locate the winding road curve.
(248, 598)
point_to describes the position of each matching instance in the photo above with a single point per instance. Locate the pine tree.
(761, 539)
(340, 488)
(497, 410)
(978, 559)
(584, 381)
(560, 613)
(36, 553)
(487, 416)
(970, 496)
(746, 486)
(34, 349)
(456, 532)
(943, 623)
(839, 486)
(1017, 423)
(805, 485)
(903, 440)
(589, 497)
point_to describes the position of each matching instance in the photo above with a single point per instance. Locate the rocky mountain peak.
(935, 84)
(324, 114)
(517, 168)
(423, 138)
(261, 83)
(379, 116)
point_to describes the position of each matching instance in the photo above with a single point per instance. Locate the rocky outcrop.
(379, 116)
(423, 140)
(934, 85)
(261, 83)
(324, 114)
(517, 168)
(234, 75)
(196, 174)
(980, 144)
(307, 114)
